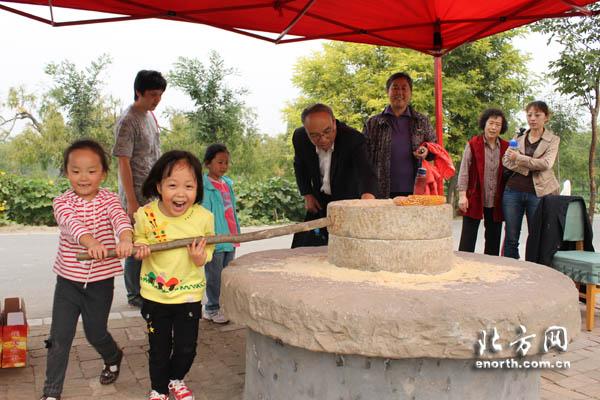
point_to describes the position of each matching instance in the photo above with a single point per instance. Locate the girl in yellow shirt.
(172, 282)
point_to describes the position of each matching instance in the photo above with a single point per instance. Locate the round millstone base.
(275, 370)
(300, 298)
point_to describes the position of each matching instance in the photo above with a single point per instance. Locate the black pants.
(172, 334)
(493, 230)
(72, 299)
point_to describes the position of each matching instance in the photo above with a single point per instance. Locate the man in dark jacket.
(330, 163)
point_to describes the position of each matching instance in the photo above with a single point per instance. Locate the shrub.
(275, 200)
(29, 201)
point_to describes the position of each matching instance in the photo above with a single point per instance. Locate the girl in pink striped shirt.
(89, 217)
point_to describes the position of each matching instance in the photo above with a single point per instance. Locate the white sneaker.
(217, 318)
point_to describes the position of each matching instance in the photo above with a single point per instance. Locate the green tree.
(565, 122)
(577, 74)
(180, 134)
(79, 93)
(219, 114)
(488, 73)
(39, 152)
(262, 157)
(37, 149)
(18, 104)
(74, 107)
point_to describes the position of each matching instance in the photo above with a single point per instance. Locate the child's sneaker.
(217, 317)
(154, 395)
(179, 390)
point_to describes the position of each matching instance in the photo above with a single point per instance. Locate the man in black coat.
(330, 163)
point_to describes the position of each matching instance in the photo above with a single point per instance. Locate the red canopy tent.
(431, 26)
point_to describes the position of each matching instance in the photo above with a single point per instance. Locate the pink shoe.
(154, 395)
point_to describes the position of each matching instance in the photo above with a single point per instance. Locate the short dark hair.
(163, 167)
(540, 105)
(88, 144)
(315, 108)
(398, 75)
(493, 112)
(213, 150)
(148, 80)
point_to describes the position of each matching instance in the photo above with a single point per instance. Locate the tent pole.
(437, 71)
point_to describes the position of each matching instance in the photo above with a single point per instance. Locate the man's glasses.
(317, 136)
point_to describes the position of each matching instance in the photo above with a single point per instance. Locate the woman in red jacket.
(480, 185)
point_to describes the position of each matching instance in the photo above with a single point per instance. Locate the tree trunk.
(592, 157)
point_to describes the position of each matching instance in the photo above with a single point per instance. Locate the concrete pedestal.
(275, 370)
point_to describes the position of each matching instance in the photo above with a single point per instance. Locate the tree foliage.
(577, 74)
(565, 122)
(219, 113)
(79, 93)
(37, 149)
(73, 108)
(19, 102)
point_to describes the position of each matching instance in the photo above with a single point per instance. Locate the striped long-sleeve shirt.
(103, 217)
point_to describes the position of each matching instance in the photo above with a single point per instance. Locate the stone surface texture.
(376, 235)
(431, 256)
(381, 219)
(279, 371)
(298, 297)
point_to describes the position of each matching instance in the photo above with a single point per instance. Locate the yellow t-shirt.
(170, 276)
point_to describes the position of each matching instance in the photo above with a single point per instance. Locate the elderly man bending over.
(330, 163)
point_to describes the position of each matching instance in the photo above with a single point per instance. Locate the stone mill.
(389, 311)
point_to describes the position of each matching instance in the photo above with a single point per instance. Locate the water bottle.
(421, 182)
(513, 144)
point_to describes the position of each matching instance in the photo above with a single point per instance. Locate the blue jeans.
(212, 271)
(514, 205)
(132, 277)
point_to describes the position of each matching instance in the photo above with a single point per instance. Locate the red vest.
(476, 170)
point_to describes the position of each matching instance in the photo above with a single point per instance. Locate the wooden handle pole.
(244, 237)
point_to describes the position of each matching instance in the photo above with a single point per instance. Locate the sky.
(263, 68)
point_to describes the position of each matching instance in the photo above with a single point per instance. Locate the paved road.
(26, 266)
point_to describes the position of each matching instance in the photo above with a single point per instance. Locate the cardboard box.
(14, 333)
